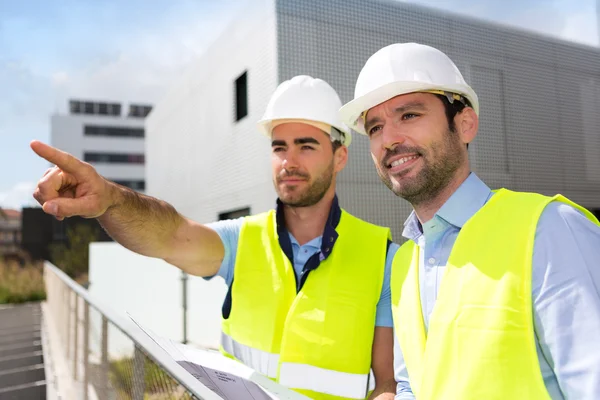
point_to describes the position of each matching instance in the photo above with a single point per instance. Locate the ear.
(467, 124)
(340, 158)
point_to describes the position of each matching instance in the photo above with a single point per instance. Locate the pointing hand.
(72, 187)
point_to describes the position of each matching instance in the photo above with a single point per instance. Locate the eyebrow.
(413, 105)
(303, 140)
(306, 140)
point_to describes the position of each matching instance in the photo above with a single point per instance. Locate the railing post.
(86, 348)
(75, 334)
(67, 297)
(104, 361)
(139, 382)
(184, 280)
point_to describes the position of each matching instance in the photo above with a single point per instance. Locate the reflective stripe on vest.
(261, 361)
(335, 383)
(481, 339)
(327, 325)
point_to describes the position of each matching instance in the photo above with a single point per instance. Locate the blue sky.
(132, 50)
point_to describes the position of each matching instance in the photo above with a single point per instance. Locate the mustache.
(291, 174)
(399, 151)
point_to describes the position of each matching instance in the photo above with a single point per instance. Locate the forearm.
(384, 391)
(382, 364)
(141, 223)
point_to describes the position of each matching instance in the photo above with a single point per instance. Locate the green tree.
(73, 257)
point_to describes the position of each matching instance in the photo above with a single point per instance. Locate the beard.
(295, 196)
(439, 165)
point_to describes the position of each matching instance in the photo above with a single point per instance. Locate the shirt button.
(431, 261)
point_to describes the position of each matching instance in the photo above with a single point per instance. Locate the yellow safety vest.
(317, 341)
(481, 342)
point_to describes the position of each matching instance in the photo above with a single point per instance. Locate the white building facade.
(539, 98)
(104, 135)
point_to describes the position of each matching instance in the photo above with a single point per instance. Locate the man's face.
(414, 150)
(303, 164)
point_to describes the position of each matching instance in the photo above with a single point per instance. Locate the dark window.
(240, 212)
(134, 111)
(88, 107)
(75, 107)
(91, 108)
(113, 158)
(241, 96)
(141, 111)
(97, 130)
(102, 108)
(115, 109)
(596, 212)
(132, 184)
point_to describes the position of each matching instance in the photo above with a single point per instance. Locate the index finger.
(61, 159)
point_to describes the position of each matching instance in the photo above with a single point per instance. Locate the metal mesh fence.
(102, 361)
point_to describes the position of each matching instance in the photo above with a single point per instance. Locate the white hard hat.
(309, 100)
(403, 68)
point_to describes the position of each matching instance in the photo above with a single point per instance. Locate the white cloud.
(18, 196)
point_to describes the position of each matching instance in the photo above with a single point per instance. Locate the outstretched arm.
(141, 223)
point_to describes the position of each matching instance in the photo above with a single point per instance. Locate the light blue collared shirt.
(565, 288)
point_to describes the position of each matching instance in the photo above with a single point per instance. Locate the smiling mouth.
(402, 160)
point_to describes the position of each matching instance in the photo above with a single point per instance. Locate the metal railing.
(99, 354)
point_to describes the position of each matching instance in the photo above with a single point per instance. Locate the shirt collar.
(470, 196)
(329, 237)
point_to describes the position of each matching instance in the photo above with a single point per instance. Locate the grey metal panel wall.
(539, 97)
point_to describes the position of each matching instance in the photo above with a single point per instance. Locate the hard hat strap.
(449, 95)
(336, 134)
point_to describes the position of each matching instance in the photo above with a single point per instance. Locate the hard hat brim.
(265, 126)
(351, 112)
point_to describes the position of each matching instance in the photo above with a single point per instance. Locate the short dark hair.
(452, 109)
(336, 144)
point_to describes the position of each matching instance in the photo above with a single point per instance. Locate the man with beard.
(308, 302)
(496, 293)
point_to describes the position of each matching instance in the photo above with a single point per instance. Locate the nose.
(289, 161)
(392, 136)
